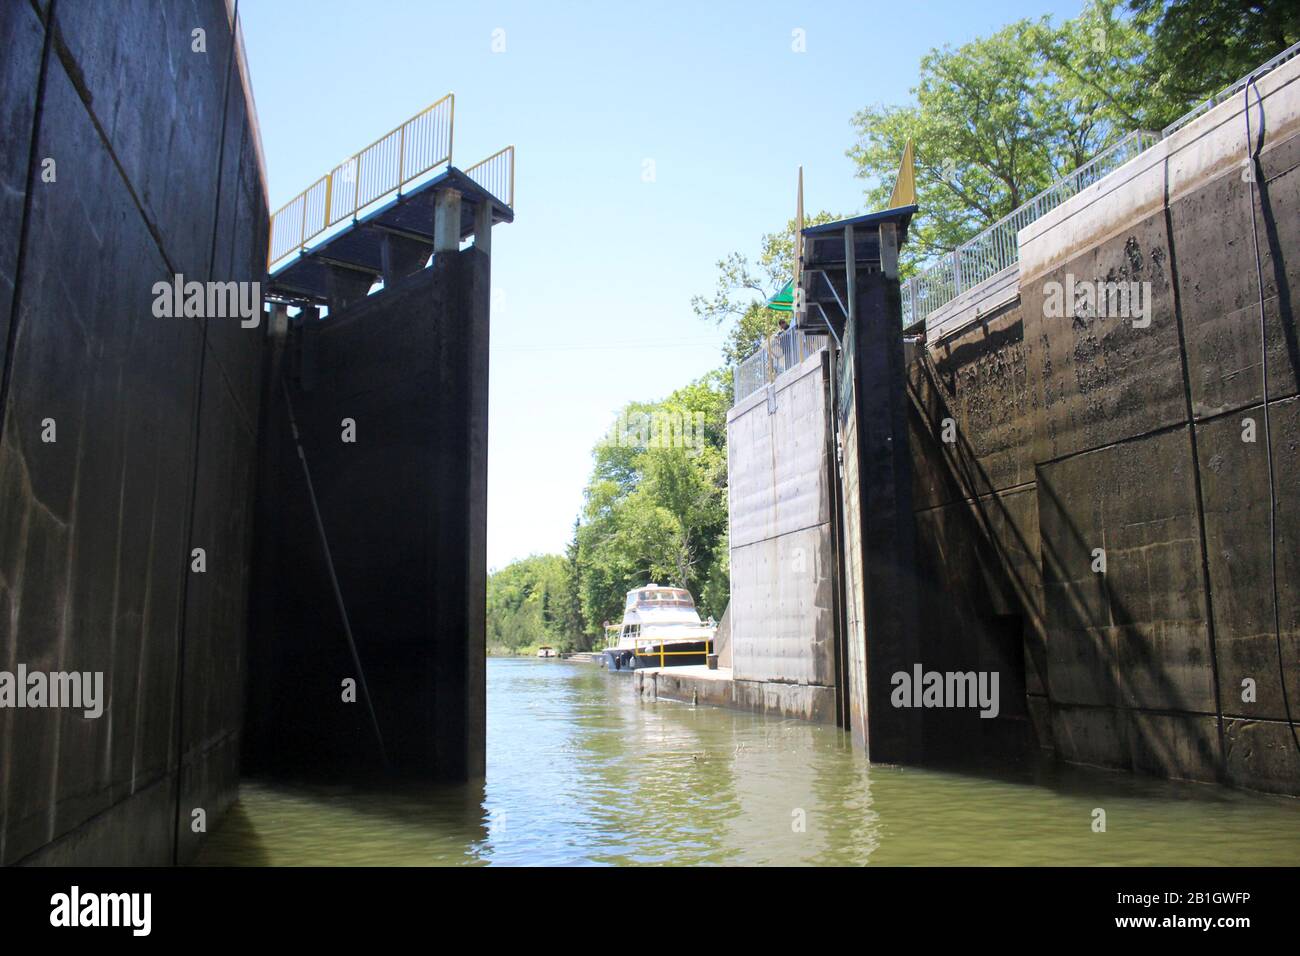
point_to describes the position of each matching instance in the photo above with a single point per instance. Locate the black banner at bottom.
(335, 905)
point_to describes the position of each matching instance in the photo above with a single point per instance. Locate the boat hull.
(680, 654)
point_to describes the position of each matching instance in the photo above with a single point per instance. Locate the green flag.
(783, 301)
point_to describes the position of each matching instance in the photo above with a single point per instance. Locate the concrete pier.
(696, 684)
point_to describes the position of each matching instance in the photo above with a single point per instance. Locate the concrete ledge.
(718, 688)
(1191, 157)
(994, 293)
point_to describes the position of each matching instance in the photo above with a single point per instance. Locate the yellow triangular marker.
(904, 193)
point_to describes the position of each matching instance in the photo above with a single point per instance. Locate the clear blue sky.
(592, 282)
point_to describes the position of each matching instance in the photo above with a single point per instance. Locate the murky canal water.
(580, 771)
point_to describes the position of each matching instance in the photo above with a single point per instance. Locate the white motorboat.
(660, 628)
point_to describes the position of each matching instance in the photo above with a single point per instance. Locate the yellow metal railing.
(662, 654)
(496, 174)
(390, 162)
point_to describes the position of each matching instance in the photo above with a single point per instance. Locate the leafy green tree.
(989, 132)
(1198, 47)
(525, 604)
(571, 616)
(1097, 83)
(996, 120)
(655, 507)
(715, 592)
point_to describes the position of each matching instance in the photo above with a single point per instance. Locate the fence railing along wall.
(781, 351)
(996, 248)
(1232, 90)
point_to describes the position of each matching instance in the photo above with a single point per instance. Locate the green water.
(582, 772)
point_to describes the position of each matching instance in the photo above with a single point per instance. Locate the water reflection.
(582, 772)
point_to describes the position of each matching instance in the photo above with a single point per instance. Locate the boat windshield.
(661, 597)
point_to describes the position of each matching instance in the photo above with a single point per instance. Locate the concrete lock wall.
(404, 510)
(1076, 436)
(780, 481)
(127, 158)
(977, 532)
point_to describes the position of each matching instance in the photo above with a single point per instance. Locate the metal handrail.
(1232, 90)
(781, 351)
(663, 654)
(409, 150)
(496, 174)
(997, 247)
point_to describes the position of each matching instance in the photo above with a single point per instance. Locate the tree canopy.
(996, 120)
(1198, 47)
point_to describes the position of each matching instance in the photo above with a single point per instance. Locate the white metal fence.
(781, 351)
(996, 248)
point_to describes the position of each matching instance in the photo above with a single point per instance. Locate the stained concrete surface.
(155, 423)
(783, 613)
(696, 684)
(404, 511)
(1086, 433)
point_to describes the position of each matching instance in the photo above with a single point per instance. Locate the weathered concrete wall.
(156, 171)
(977, 531)
(404, 508)
(1085, 433)
(781, 478)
